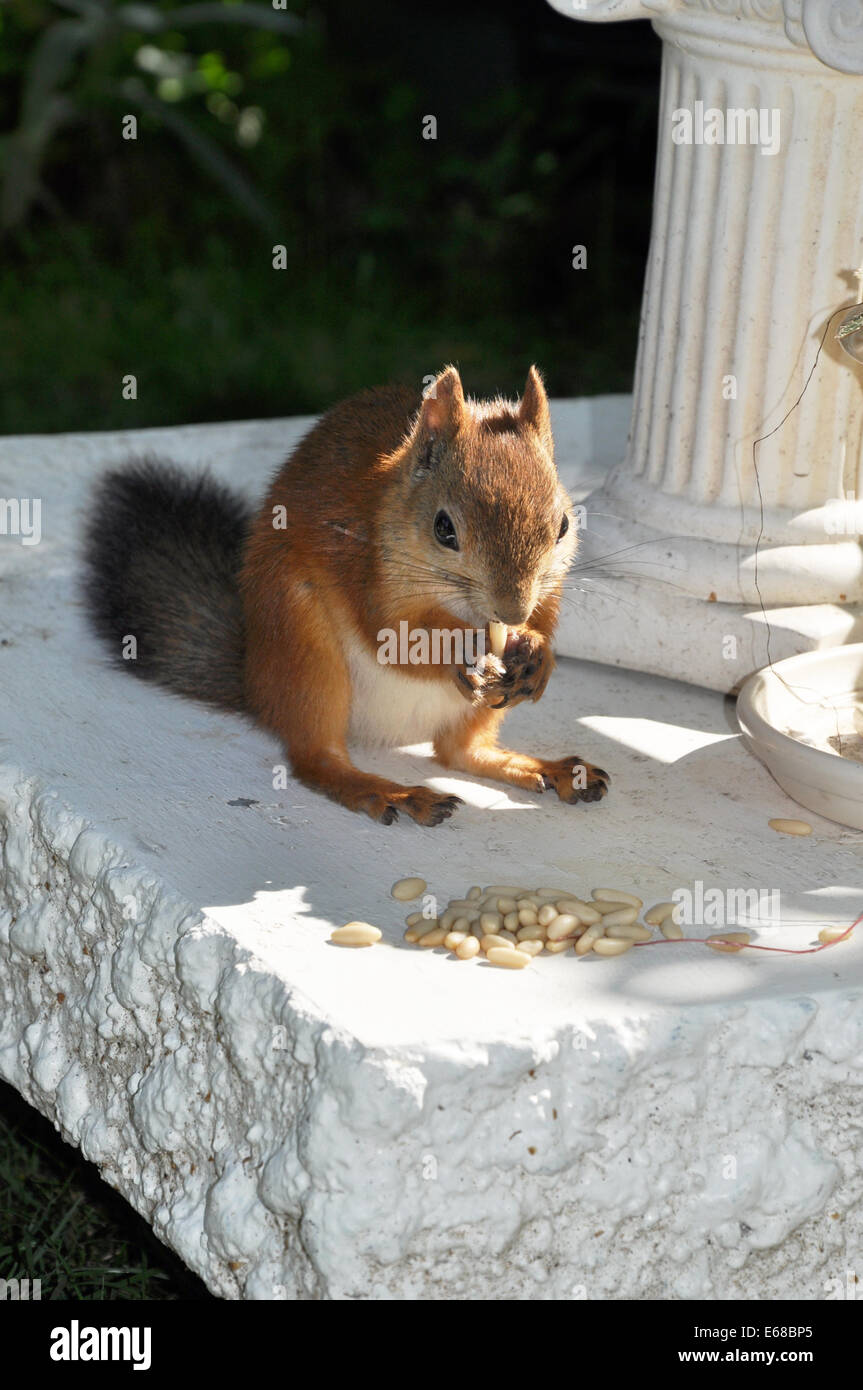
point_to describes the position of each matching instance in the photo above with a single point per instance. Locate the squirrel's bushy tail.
(163, 551)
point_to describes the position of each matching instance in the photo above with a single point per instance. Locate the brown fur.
(360, 494)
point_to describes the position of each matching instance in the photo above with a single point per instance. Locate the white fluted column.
(751, 251)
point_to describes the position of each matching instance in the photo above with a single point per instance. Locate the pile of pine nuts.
(512, 924)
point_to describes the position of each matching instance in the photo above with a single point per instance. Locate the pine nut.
(527, 917)
(657, 915)
(611, 947)
(474, 893)
(790, 827)
(563, 926)
(506, 905)
(507, 935)
(621, 918)
(555, 947)
(468, 948)
(505, 890)
(830, 934)
(461, 924)
(490, 921)
(497, 635)
(728, 940)
(628, 931)
(586, 942)
(421, 929)
(532, 948)
(510, 959)
(551, 894)
(588, 912)
(546, 914)
(528, 903)
(585, 912)
(406, 889)
(488, 943)
(436, 937)
(670, 930)
(413, 918)
(356, 934)
(478, 930)
(458, 912)
(532, 932)
(454, 938)
(614, 895)
(511, 921)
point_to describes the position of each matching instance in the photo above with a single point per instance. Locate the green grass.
(61, 1224)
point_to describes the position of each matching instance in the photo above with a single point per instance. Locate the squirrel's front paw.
(529, 663)
(483, 682)
(521, 674)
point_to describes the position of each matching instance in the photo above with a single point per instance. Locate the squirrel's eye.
(445, 531)
(564, 527)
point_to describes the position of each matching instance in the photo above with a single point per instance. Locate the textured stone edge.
(152, 1040)
(280, 1159)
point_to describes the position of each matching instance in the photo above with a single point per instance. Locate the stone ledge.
(303, 1122)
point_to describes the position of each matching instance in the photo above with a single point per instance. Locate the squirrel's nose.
(513, 612)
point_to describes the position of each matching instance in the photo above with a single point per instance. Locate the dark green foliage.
(154, 256)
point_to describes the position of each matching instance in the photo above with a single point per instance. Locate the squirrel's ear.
(533, 410)
(443, 405)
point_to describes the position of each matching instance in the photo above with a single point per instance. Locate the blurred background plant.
(303, 126)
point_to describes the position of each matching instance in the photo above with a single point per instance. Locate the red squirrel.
(438, 511)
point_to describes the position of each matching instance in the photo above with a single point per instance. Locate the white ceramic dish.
(797, 715)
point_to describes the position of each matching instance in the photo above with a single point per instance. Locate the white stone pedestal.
(301, 1121)
(754, 246)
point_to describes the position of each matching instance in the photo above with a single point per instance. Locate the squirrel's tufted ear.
(443, 405)
(533, 410)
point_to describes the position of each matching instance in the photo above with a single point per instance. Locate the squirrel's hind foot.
(422, 805)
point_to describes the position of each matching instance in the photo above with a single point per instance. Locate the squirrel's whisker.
(627, 549)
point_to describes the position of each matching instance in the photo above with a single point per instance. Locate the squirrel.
(436, 511)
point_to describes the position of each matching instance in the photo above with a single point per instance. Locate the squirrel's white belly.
(389, 708)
